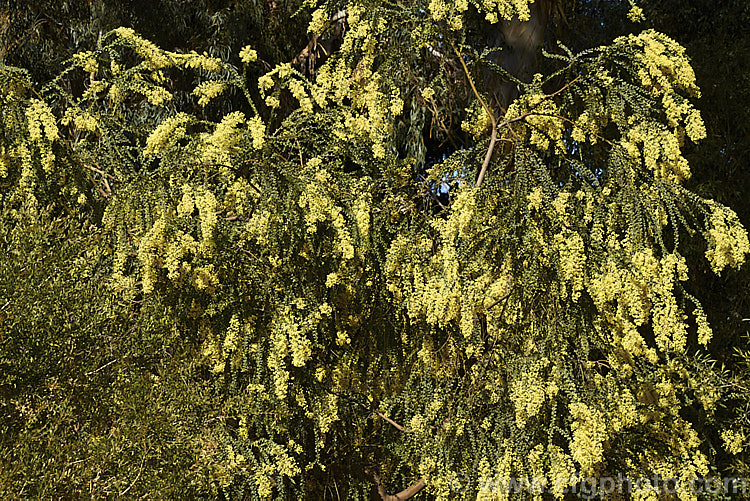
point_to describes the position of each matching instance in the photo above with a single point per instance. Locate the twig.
(101, 368)
(374, 411)
(505, 123)
(140, 470)
(104, 179)
(305, 53)
(99, 171)
(407, 493)
(495, 303)
(301, 161)
(434, 52)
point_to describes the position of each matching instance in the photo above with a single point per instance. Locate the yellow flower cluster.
(452, 12)
(257, 227)
(202, 61)
(187, 204)
(298, 346)
(166, 134)
(727, 239)
(490, 476)
(206, 205)
(87, 61)
(154, 57)
(361, 210)
(257, 131)
(665, 65)
(535, 198)
(734, 441)
(83, 120)
(248, 54)
(281, 464)
(326, 412)
(623, 412)
(635, 13)
(205, 91)
(297, 90)
(659, 149)
(151, 246)
(319, 21)
(4, 161)
(321, 207)
(530, 391)
(561, 472)
(157, 59)
(477, 121)
(43, 131)
(589, 433)
(639, 294)
(176, 256)
(572, 261)
(219, 146)
(544, 123)
(492, 9)
(157, 95)
(372, 124)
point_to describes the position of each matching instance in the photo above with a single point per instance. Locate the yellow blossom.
(248, 55)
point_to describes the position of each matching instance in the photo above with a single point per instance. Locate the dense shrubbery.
(98, 393)
(269, 281)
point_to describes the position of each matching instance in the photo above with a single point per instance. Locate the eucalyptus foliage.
(521, 308)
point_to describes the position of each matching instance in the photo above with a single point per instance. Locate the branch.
(104, 176)
(434, 52)
(495, 125)
(89, 373)
(338, 17)
(489, 112)
(407, 493)
(505, 123)
(140, 470)
(374, 411)
(506, 296)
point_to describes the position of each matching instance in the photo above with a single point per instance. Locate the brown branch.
(495, 125)
(338, 17)
(100, 172)
(101, 191)
(301, 161)
(487, 110)
(407, 493)
(526, 113)
(104, 177)
(374, 411)
(495, 303)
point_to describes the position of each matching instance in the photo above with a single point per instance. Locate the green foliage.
(100, 396)
(288, 317)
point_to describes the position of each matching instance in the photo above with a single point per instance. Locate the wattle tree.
(433, 252)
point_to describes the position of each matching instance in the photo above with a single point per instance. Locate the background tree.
(393, 276)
